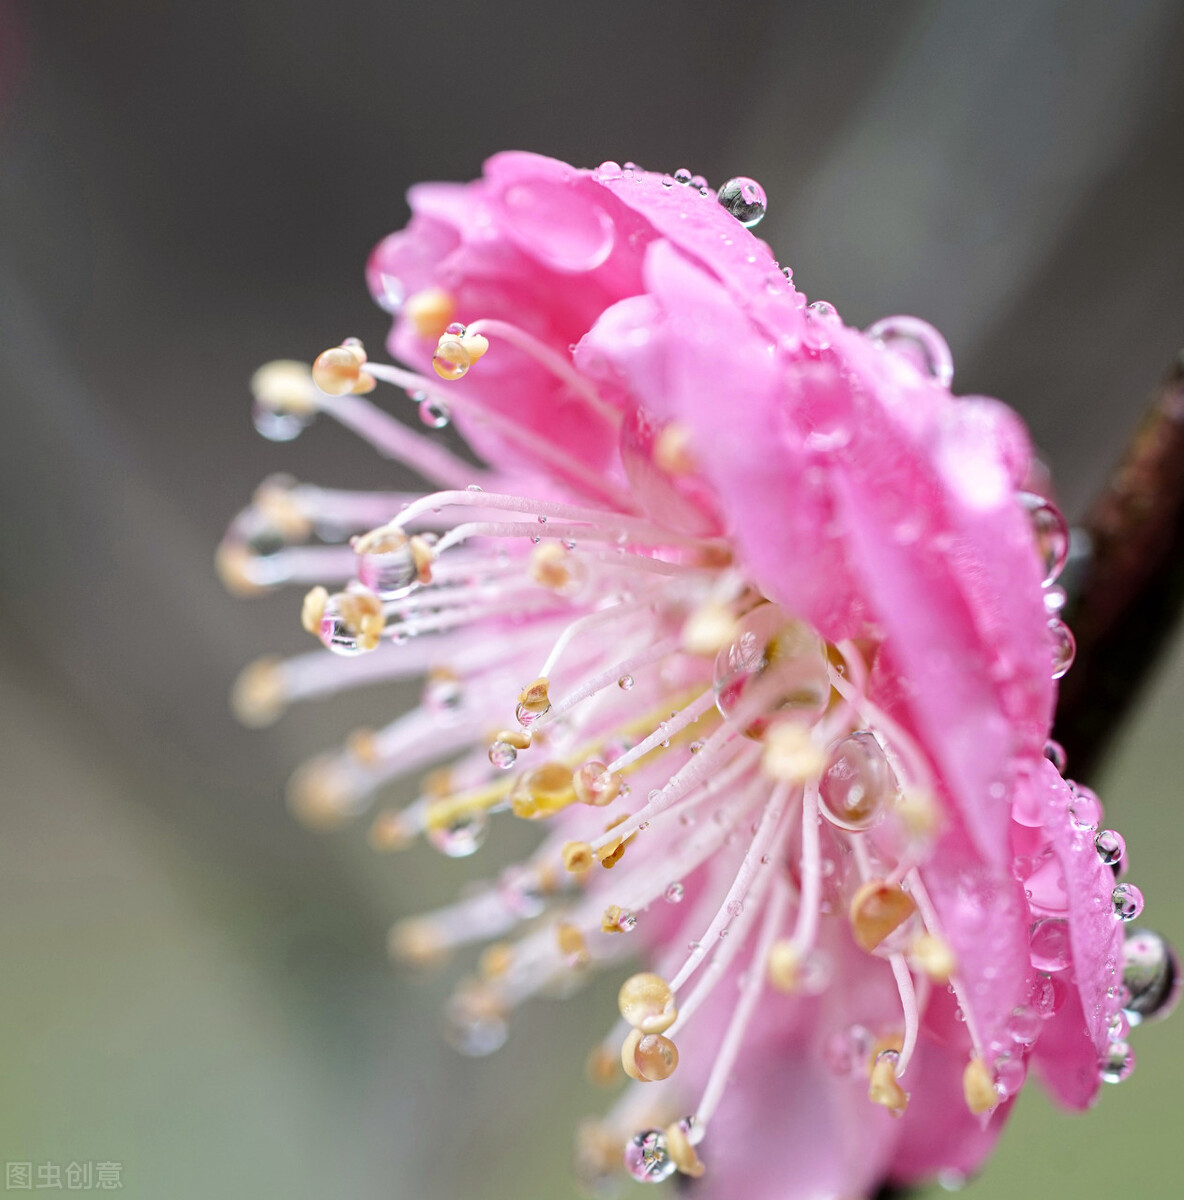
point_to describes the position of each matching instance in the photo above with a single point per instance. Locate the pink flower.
(759, 587)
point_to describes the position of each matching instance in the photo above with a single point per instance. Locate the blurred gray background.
(191, 984)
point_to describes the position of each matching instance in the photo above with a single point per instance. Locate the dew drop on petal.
(683, 176)
(609, 170)
(1128, 901)
(1051, 533)
(1150, 975)
(647, 1157)
(462, 836)
(821, 319)
(918, 343)
(1055, 753)
(1064, 647)
(1117, 1063)
(745, 199)
(1024, 1025)
(1110, 846)
(674, 893)
(625, 683)
(1049, 944)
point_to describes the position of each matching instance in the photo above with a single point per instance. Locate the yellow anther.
(415, 941)
(284, 386)
(682, 1153)
(884, 1088)
(542, 791)
(918, 813)
(877, 909)
(359, 610)
(518, 738)
(273, 499)
(602, 1067)
(476, 344)
(338, 370)
(571, 943)
(577, 857)
(362, 744)
(647, 1003)
(258, 696)
(495, 960)
(672, 450)
(430, 311)
(784, 966)
(790, 755)
(233, 563)
(610, 853)
(550, 566)
(708, 630)
(648, 1057)
(319, 795)
(312, 609)
(451, 360)
(533, 701)
(388, 832)
(932, 955)
(423, 556)
(437, 783)
(594, 785)
(978, 1086)
(610, 922)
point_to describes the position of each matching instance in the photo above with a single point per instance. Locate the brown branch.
(1131, 595)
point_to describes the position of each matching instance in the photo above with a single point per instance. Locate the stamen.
(908, 1003)
(646, 1001)
(978, 1086)
(877, 909)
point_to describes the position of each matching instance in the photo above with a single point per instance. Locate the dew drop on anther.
(647, 1157)
(1128, 901)
(1050, 531)
(745, 199)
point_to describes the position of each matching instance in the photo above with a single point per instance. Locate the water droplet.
(461, 836)
(1064, 647)
(1085, 808)
(1049, 944)
(847, 1051)
(1050, 531)
(435, 414)
(451, 359)
(351, 623)
(1044, 996)
(745, 199)
(521, 890)
(1055, 599)
(473, 1024)
(1151, 976)
(1010, 1074)
(1110, 846)
(647, 1157)
(1117, 1063)
(388, 569)
(393, 293)
(1024, 1025)
(502, 755)
(443, 692)
(821, 319)
(609, 170)
(918, 343)
(627, 921)
(674, 893)
(667, 180)
(682, 175)
(1055, 753)
(951, 1181)
(1128, 901)
(625, 683)
(857, 783)
(279, 426)
(768, 641)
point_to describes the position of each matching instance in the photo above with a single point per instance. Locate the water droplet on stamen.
(857, 783)
(647, 1157)
(502, 755)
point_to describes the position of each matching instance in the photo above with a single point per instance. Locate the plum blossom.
(761, 621)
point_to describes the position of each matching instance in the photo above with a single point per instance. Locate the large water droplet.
(461, 836)
(773, 665)
(502, 754)
(1064, 647)
(279, 426)
(647, 1157)
(1117, 1063)
(917, 342)
(1128, 901)
(1151, 976)
(745, 199)
(608, 171)
(388, 568)
(1050, 531)
(857, 783)
(435, 414)
(1049, 944)
(1110, 846)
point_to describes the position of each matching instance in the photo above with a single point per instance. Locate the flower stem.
(1131, 594)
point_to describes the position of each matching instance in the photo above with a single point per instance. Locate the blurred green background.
(191, 985)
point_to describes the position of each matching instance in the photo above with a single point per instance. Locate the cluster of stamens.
(584, 664)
